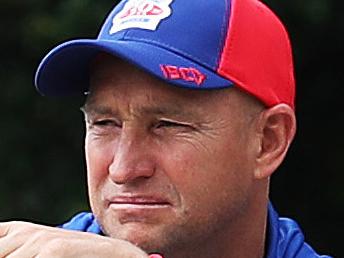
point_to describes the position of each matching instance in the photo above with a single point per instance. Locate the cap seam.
(232, 30)
(224, 29)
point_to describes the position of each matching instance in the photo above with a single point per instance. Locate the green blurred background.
(41, 139)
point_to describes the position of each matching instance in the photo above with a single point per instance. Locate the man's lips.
(139, 208)
(121, 202)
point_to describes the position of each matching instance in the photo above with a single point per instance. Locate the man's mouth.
(138, 202)
(142, 209)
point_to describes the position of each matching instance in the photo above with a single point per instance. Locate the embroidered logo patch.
(143, 14)
(188, 74)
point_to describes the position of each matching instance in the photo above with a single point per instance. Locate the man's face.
(168, 168)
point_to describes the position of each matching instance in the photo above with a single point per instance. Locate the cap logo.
(142, 14)
(190, 74)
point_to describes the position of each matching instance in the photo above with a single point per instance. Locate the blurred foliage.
(43, 173)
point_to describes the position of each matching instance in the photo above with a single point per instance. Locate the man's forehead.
(114, 108)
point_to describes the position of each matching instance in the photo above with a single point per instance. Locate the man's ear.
(276, 129)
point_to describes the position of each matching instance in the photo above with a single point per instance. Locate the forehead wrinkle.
(141, 110)
(92, 109)
(165, 111)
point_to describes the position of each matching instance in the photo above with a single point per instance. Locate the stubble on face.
(202, 165)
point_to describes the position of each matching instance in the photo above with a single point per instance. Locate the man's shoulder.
(84, 222)
(286, 240)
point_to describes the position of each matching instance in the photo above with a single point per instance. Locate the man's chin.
(148, 237)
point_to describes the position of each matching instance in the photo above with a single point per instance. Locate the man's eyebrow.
(101, 110)
(156, 110)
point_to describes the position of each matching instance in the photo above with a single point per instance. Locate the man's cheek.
(97, 171)
(98, 161)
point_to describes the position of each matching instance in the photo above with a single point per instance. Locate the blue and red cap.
(197, 44)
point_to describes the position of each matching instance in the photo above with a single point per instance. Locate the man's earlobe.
(277, 127)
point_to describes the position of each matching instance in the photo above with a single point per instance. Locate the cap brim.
(65, 70)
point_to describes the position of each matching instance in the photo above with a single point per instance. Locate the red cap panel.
(257, 54)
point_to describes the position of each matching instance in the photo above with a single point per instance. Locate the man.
(189, 111)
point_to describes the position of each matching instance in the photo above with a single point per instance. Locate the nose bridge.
(132, 158)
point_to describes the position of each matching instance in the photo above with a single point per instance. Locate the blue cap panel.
(189, 21)
(178, 41)
(65, 70)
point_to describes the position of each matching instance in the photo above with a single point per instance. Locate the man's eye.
(105, 122)
(164, 123)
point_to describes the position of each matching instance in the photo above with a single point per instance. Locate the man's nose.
(133, 160)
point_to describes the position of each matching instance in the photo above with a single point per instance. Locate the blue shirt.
(285, 238)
